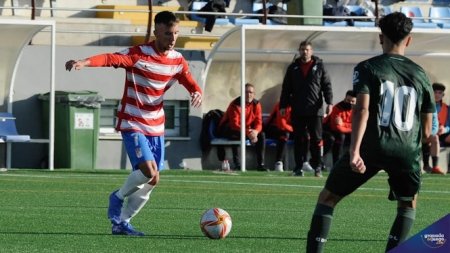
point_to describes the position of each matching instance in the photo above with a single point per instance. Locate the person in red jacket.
(230, 127)
(339, 123)
(280, 129)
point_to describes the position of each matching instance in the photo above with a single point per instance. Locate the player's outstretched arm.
(77, 65)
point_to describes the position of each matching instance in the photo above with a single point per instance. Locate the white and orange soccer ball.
(216, 223)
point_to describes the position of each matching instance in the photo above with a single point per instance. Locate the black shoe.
(297, 173)
(237, 167)
(262, 167)
(427, 168)
(318, 173)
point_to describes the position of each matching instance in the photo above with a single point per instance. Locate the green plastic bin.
(305, 7)
(76, 127)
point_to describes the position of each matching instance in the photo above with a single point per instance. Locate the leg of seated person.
(260, 150)
(426, 155)
(233, 135)
(328, 141)
(434, 152)
(339, 139)
(281, 146)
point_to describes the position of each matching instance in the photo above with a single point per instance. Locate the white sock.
(135, 202)
(132, 184)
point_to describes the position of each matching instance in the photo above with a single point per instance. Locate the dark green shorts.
(342, 181)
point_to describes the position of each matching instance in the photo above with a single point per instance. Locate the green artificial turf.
(66, 211)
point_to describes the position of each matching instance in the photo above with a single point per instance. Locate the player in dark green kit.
(393, 112)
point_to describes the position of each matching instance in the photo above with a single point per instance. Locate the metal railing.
(33, 9)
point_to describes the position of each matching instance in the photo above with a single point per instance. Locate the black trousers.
(273, 132)
(313, 125)
(235, 135)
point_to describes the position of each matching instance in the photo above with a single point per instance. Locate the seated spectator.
(443, 117)
(212, 6)
(279, 129)
(230, 127)
(431, 146)
(339, 123)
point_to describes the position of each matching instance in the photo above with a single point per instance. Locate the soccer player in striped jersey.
(393, 112)
(151, 69)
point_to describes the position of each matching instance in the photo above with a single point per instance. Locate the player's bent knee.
(328, 198)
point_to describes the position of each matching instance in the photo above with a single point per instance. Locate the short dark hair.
(438, 86)
(395, 26)
(166, 18)
(350, 93)
(249, 85)
(305, 43)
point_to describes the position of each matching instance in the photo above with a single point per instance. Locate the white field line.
(212, 182)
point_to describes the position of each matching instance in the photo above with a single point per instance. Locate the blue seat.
(8, 131)
(196, 6)
(440, 12)
(244, 21)
(358, 10)
(339, 23)
(415, 13)
(387, 9)
(221, 140)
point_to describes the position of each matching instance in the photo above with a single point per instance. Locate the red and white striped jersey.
(149, 74)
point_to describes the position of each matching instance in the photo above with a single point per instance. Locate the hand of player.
(338, 121)
(76, 64)
(253, 134)
(357, 164)
(283, 113)
(196, 99)
(441, 130)
(329, 109)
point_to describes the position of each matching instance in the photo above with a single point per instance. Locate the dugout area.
(16, 35)
(261, 55)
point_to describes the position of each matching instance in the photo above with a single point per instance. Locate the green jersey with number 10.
(399, 92)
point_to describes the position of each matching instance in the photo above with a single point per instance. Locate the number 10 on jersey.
(397, 104)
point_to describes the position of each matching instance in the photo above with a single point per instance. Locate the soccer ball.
(215, 223)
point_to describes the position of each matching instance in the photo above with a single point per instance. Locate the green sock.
(403, 224)
(320, 228)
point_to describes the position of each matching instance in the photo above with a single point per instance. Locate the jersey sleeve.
(123, 59)
(361, 78)
(257, 123)
(185, 78)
